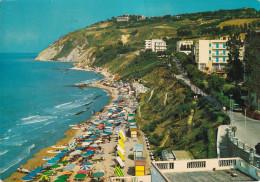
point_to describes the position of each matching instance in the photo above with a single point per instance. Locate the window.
(217, 53)
(209, 45)
(224, 59)
(209, 51)
(224, 45)
(202, 66)
(210, 58)
(224, 52)
(217, 46)
(217, 60)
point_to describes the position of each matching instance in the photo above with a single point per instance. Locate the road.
(247, 131)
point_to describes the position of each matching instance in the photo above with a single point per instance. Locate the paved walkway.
(247, 133)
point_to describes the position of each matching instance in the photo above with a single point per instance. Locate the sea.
(38, 102)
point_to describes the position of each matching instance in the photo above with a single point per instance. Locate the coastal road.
(247, 131)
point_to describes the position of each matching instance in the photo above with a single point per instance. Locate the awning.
(119, 160)
(119, 172)
(121, 155)
(120, 149)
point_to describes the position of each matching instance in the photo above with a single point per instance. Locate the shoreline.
(37, 161)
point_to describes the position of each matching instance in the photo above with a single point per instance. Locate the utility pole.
(245, 124)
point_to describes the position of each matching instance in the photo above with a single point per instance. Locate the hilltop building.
(142, 17)
(212, 55)
(124, 18)
(155, 45)
(184, 46)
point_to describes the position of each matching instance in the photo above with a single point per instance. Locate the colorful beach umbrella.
(85, 167)
(44, 177)
(47, 172)
(88, 163)
(27, 178)
(81, 171)
(86, 154)
(94, 145)
(67, 172)
(70, 167)
(93, 137)
(98, 175)
(63, 162)
(63, 177)
(91, 148)
(80, 176)
(60, 180)
(55, 166)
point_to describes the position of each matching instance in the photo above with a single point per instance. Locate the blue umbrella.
(60, 155)
(100, 153)
(51, 162)
(88, 163)
(38, 170)
(70, 167)
(90, 151)
(27, 177)
(89, 140)
(66, 150)
(86, 154)
(81, 148)
(85, 167)
(93, 137)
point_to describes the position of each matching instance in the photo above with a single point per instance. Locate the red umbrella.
(91, 148)
(83, 171)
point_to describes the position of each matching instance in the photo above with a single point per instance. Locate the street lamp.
(230, 109)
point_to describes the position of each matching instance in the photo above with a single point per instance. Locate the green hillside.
(168, 112)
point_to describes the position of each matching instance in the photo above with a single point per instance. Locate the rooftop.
(221, 175)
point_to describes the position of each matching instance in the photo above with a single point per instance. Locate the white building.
(212, 54)
(184, 46)
(156, 45)
(122, 18)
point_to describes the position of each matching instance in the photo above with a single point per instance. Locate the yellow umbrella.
(44, 177)
(121, 155)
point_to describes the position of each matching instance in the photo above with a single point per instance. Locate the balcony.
(220, 54)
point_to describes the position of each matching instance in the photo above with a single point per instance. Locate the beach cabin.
(138, 150)
(140, 166)
(133, 131)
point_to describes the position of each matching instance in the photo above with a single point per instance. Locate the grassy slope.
(237, 22)
(198, 138)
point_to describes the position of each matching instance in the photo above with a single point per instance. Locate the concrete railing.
(208, 165)
(196, 165)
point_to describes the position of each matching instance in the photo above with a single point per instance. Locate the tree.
(215, 82)
(234, 67)
(252, 67)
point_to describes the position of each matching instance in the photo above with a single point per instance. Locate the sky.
(31, 25)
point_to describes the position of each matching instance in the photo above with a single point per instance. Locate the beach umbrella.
(55, 166)
(76, 152)
(80, 148)
(91, 151)
(47, 172)
(66, 150)
(89, 140)
(94, 145)
(60, 180)
(27, 178)
(63, 162)
(98, 141)
(70, 167)
(85, 167)
(86, 154)
(98, 175)
(91, 148)
(80, 176)
(67, 172)
(82, 171)
(63, 177)
(44, 177)
(88, 163)
(93, 137)
(100, 153)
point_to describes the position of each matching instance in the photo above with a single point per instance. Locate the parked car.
(237, 108)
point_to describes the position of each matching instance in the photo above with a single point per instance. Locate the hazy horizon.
(29, 26)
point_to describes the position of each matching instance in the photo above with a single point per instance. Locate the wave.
(9, 130)
(20, 144)
(88, 81)
(4, 152)
(16, 161)
(30, 117)
(38, 120)
(61, 105)
(4, 138)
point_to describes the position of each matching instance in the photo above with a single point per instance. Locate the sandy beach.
(106, 165)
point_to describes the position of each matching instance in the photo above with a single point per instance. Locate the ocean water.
(38, 101)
